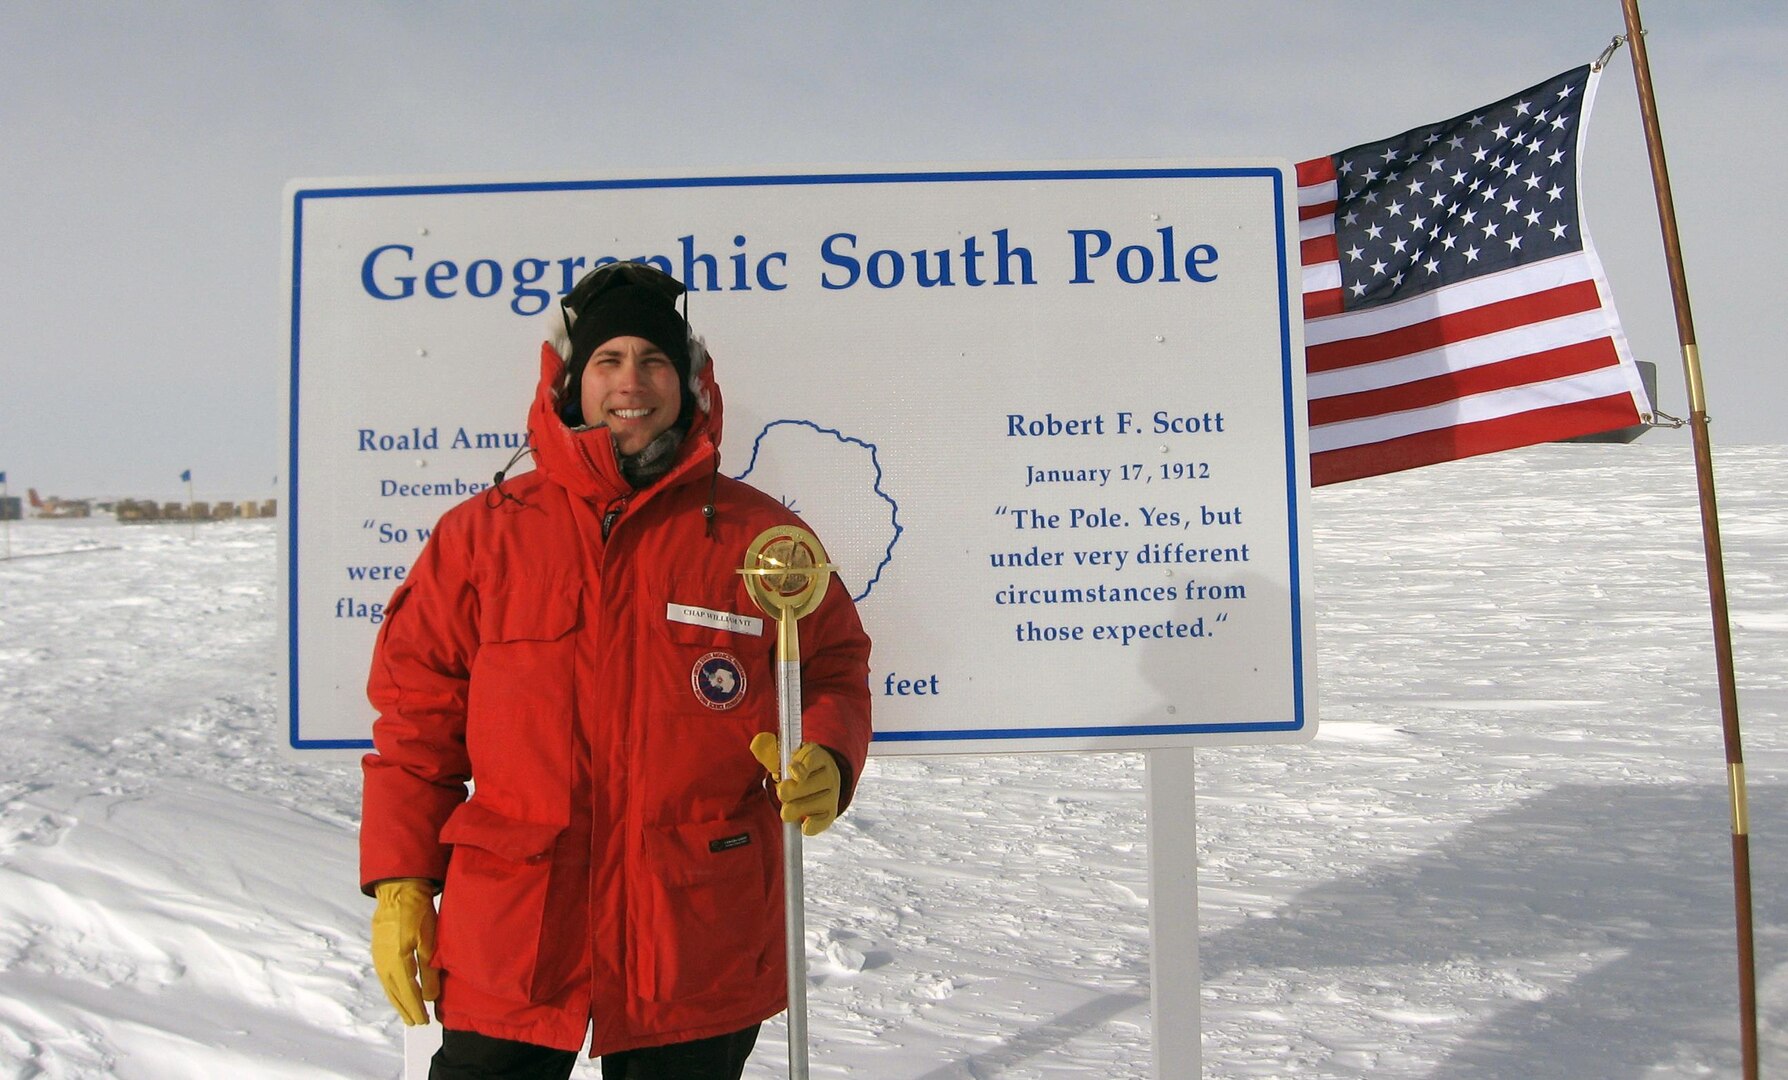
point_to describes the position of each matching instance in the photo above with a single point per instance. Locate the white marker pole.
(794, 880)
(420, 1044)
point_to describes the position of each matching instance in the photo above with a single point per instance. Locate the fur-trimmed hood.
(558, 335)
(582, 460)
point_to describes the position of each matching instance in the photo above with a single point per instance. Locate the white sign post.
(1173, 912)
(1048, 420)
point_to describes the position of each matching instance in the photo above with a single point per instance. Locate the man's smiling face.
(630, 386)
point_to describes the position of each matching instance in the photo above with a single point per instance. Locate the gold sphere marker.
(786, 572)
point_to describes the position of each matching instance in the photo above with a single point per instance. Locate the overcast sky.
(142, 326)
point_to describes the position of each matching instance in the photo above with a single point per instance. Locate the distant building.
(12, 508)
(150, 512)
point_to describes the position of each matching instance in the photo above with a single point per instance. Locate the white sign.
(1048, 420)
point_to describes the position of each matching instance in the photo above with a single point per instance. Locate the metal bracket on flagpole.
(1602, 60)
(1660, 418)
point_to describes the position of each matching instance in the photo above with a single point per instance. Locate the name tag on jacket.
(718, 620)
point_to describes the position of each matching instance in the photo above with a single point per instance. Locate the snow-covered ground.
(1505, 856)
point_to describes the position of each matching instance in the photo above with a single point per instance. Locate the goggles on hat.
(612, 276)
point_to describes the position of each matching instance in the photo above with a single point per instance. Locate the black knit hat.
(626, 299)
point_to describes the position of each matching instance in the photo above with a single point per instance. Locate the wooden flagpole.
(1710, 536)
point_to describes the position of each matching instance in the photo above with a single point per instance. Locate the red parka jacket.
(618, 863)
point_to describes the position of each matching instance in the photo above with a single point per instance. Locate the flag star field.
(1483, 192)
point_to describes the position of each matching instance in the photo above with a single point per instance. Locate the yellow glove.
(810, 794)
(403, 943)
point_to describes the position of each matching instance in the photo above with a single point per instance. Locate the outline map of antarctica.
(834, 481)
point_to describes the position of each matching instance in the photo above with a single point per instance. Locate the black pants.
(467, 1055)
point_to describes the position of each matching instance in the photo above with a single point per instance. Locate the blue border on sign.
(1276, 176)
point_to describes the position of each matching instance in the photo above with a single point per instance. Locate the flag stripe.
(1569, 360)
(1485, 437)
(1322, 278)
(1320, 249)
(1469, 410)
(1320, 193)
(1449, 329)
(1463, 296)
(1477, 352)
(1319, 304)
(1316, 171)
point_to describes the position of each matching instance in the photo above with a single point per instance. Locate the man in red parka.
(577, 646)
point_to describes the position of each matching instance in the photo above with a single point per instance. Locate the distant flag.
(1453, 303)
(186, 476)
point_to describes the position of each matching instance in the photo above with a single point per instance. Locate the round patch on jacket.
(719, 681)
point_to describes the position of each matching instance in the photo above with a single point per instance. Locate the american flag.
(1453, 304)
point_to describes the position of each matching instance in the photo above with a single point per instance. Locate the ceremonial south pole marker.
(786, 572)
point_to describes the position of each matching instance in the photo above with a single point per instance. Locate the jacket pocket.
(522, 608)
(521, 698)
(493, 906)
(707, 918)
